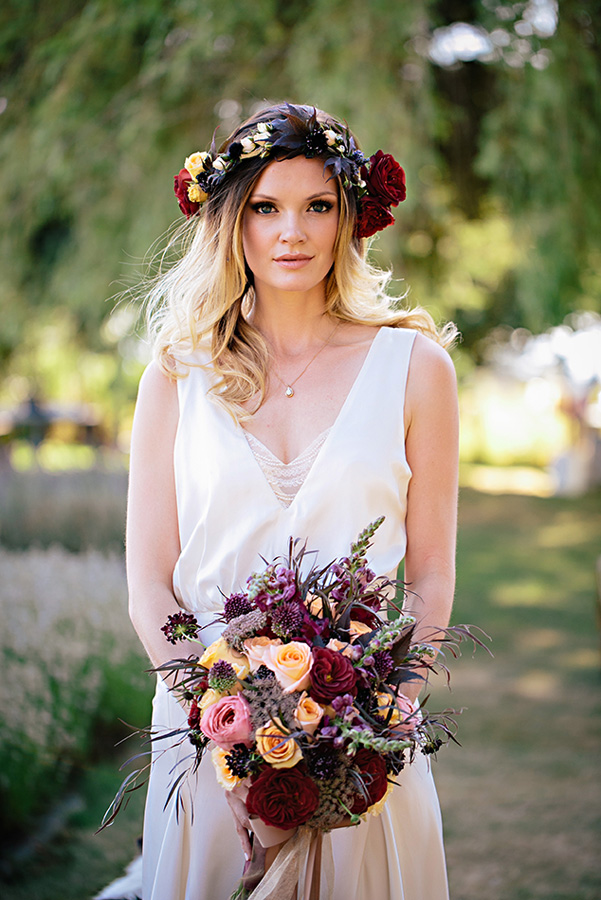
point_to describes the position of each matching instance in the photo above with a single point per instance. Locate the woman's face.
(289, 226)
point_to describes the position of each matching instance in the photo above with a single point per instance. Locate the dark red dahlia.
(332, 674)
(284, 798)
(371, 768)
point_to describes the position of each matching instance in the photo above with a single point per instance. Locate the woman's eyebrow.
(261, 196)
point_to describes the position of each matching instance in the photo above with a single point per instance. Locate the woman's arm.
(432, 432)
(152, 538)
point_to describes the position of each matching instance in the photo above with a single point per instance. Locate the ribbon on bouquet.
(302, 870)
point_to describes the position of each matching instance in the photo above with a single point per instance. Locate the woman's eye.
(263, 207)
(321, 206)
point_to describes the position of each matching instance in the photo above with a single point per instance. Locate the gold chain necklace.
(288, 385)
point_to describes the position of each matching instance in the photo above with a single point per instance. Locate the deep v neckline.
(331, 432)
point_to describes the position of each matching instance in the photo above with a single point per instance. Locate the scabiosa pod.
(180, 626)
(222, 676)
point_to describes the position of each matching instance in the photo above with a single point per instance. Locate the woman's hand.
(241, 821)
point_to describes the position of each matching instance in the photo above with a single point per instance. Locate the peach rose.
(225, 778)
(220, 649)
(256, 648)
(340, 647)
(291, 664)
(356, 629)
(276, 747)
(308, 714)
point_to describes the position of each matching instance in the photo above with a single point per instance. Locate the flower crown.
(378, 182)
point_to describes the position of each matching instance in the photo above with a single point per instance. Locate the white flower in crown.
(219, 164)
(331, 137)
(248, 146)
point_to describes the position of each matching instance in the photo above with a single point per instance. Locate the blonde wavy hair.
(204, 297)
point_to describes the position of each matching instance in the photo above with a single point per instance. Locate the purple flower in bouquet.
(222, 676)
(343, 707)
(236, 605)
(274, 585)
(179, 627)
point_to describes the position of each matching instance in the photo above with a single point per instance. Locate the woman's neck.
(292, 324)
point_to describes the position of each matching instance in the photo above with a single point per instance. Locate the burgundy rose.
(283, 798)
(332, 674)
(372, 217)
(372, 770)
(180, 185)
(385, 180)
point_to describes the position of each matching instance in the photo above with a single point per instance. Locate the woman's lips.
(293, 262)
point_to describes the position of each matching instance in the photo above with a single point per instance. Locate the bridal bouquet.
(300, 702)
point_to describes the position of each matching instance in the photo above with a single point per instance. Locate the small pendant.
(289, 392)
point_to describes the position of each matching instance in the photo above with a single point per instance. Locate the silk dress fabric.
(229, 517)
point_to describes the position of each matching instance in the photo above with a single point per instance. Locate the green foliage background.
(104, 99)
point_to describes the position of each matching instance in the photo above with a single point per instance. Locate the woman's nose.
(292, 229)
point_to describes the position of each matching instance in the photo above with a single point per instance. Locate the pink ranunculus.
(227, 722)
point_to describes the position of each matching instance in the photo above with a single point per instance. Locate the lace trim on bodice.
(285, 479)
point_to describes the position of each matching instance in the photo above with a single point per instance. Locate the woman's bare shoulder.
(429, 359)
(431, 380)
(157, 396)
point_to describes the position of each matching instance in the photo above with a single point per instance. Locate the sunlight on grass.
(525, 592)
(582, 658)
(537, 684)
(539, 639)
(567, 531)
(507, 479)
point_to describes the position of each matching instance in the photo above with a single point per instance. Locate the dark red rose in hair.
(332, 674)
(372, 218)
(180, 185)
(283, 798)
(372, 769)
(385, 180)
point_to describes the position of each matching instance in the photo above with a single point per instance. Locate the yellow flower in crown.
(195, 164)
(220, 649)
(196, 194)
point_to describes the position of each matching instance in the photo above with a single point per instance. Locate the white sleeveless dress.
(229, 516)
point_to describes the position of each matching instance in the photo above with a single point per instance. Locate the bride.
(287, 398)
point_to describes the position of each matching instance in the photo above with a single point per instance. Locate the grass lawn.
(521, 798)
